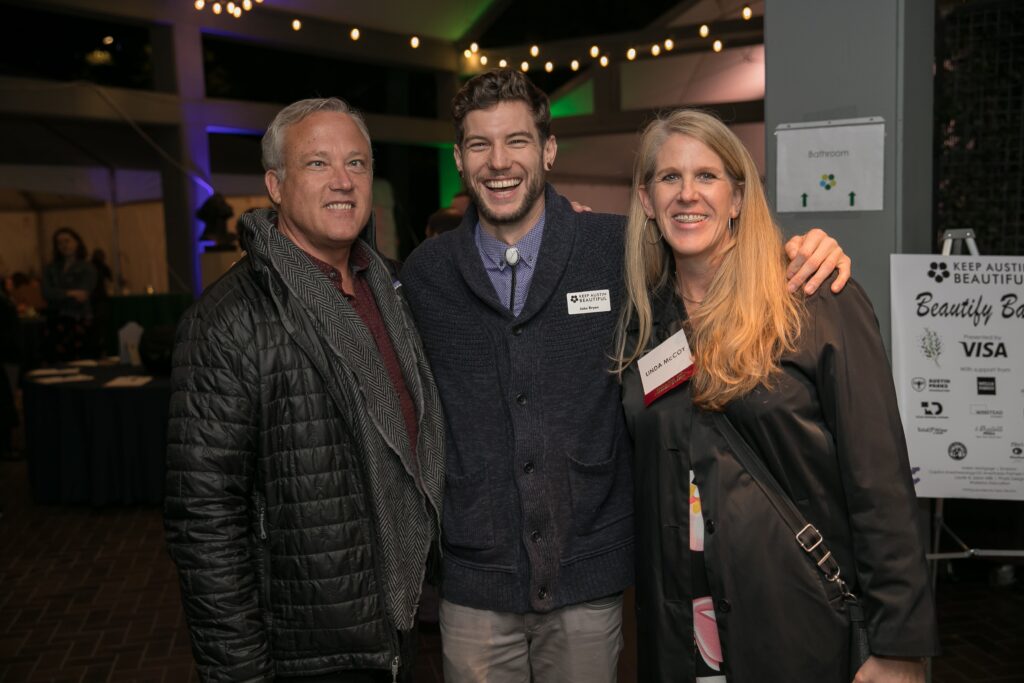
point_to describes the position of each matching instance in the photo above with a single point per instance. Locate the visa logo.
(984, 349)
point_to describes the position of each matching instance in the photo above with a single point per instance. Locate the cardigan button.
(535, 537)
(724, 606)
(709, 526)
(542, 594)
(528, 468)
(517, 330)
(521, 399)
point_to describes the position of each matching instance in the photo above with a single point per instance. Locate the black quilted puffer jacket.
(267, 511)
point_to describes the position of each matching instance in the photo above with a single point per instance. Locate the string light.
(231, 8)
(474, 48)
(525, 66)
(296, 25)
(414, 42)
(747, 12)
(604, 60)
(502, 63)
(669, 44)
(247, 5)
(108, 40)
(216, 8)
(549, 67)
(200, 4)
(655, 49)
(534, 50)
(704, 30)
(483, 60)
(354, 34)
(575, 65)
(237, 12)
(467, 54)
(717, 46)
(594, 51)
(631, 54)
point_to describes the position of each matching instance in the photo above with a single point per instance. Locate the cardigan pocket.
(468, 520)
(600, 492)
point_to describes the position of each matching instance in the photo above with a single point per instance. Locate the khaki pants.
(575, 644)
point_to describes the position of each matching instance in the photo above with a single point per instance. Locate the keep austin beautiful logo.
(975, 307)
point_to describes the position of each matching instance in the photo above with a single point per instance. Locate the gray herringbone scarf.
(405, 494)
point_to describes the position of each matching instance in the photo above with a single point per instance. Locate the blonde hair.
(748, 319)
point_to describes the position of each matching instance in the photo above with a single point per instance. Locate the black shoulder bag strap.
(804, 534)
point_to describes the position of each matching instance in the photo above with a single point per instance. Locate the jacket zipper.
(395, 663)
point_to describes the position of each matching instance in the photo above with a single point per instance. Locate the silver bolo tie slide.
(512, 258)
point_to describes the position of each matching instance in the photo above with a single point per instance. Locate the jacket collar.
(314, 310)
(560, 228)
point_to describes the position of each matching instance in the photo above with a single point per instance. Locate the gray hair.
(273, 140)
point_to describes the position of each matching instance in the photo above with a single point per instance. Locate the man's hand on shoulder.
(812, 259)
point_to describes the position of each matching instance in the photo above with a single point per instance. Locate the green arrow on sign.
(852, 195)
(803, 198)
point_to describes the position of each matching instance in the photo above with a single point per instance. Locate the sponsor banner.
(958, 364)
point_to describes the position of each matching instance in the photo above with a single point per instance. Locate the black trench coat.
(829, 431)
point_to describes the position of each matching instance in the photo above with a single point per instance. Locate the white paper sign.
(828, 167)
(958, 364)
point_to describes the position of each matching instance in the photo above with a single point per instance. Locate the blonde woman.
(724, 593)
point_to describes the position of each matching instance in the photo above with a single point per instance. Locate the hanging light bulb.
(483, 60)
(216, 8)
(237, 12)
(669, 44)
(414, 42)
(534, 50)
(704, 30)
(296, 25)
(354, 34)
(594, 51)
(717, 46)
(474, 48)
(108, 40)
(747, 12)
(549, 66)
(525, 66)
(631, 54)
(467, 54)
(604, 60)
(247, 5)
(502, 63)
(575, 65)
(655, 49)
(200, 4)
(231, 8)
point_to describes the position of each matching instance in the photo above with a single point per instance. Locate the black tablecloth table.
(92, 444)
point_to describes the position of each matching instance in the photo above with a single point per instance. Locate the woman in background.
(68, 283)
(724, 593)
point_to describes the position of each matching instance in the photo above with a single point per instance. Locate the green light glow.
(577, 102)
(449, 182)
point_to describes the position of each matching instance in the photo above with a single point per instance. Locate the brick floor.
(91, 595)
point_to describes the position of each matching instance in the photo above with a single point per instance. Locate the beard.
(534, 190)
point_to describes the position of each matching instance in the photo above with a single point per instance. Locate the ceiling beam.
(484, 22)
(632, 121)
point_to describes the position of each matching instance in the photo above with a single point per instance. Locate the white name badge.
(594, 301)
(666, 367)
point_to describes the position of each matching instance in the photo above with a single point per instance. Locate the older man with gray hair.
(305, 445)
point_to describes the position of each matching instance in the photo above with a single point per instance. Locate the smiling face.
(503, 160)
(692, 198)
(324, 193)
